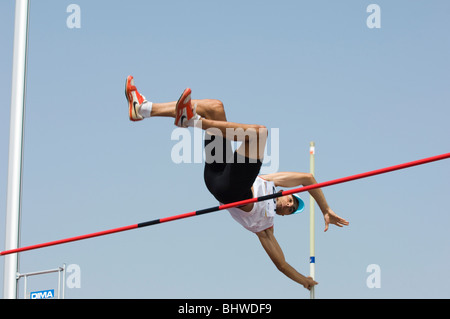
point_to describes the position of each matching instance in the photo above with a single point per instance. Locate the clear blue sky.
(369, 98)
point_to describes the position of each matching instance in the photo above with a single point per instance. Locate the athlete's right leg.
(214, 121)
(213, 118)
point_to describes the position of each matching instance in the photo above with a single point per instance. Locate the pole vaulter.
(230, 205)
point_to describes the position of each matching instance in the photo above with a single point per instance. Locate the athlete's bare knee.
(215, 110)
(262, 131)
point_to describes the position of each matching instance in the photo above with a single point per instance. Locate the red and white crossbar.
(230, 205)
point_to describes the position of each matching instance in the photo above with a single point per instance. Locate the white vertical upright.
(14, 191)
(312, 253)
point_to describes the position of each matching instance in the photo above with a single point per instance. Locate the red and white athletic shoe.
(185, 115)
(183, 110)
(134, 98)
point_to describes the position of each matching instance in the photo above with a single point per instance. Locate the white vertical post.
(25, 287)
(13, 197)
(59, 282)
(312, 253)
(64, 281)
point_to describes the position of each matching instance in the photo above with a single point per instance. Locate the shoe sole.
(186, 93)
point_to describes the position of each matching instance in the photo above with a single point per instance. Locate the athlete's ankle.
(146, 109)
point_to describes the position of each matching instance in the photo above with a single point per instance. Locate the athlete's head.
(289, 205)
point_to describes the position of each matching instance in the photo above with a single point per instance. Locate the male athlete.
(233, 176)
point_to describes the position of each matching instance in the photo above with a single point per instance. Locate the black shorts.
(230, 176)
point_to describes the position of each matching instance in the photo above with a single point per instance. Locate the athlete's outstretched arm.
(275, 253)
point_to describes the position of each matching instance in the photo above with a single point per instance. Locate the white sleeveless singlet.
(262, 214)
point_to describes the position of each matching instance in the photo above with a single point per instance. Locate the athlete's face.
(286, 205)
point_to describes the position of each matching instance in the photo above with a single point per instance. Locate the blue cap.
(301, 205)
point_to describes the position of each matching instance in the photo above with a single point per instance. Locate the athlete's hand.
(331, 218)
(309, 283)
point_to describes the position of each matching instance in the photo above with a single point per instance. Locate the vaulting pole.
(14, 190)
(312, 202)
(235, 204)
